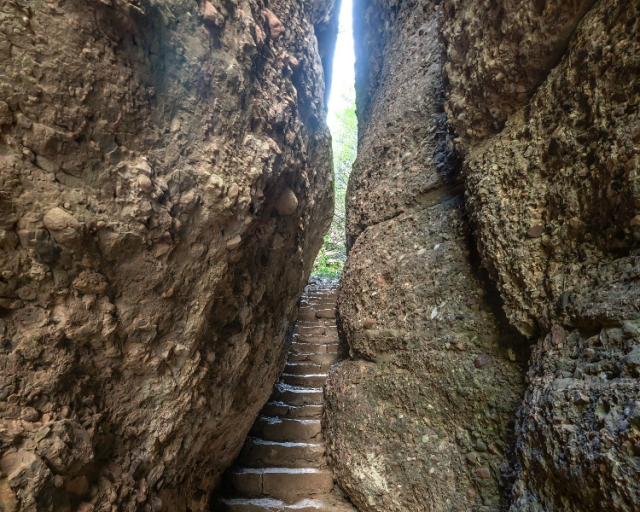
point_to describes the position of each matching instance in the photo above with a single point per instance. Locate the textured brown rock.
(404, 414)
(147, 280)
(553, 199)
(542, 100)
(497, 54)
(398, 87)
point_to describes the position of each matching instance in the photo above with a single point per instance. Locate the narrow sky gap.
(343, 81)
(343, 125)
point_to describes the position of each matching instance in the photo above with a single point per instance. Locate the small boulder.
(287, 203)
(276, 28)
(64, 227)
(212, 15)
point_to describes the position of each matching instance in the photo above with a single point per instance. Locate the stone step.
(311, 330)
(319, 504)
(306, 368)
(307, 314)
(305, 381)
(248, 505)
(303, 368)
(296, 395)
(314, 357)
(258, 453)
(327, 302)
(285, 430)
(326, 313)
(286, 484)
(315, 322)
(330, 297)
(282, 410)
(298, 347)
(326, 293)
(316, 339)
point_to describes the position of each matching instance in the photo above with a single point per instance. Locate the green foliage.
(344, 130)
(326, 264)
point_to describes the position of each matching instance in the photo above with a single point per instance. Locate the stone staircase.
(282, 465)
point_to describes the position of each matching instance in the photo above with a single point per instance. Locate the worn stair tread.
(309, 348)
(286, 411)
(324, 503)
(310, 357)
(316, 338)
(286, 484)
(253, 505)
(295, 389)
(297, 395)
(290, 471)
(260, 453)
(310, 381)
(306, 368)
(288, 429)
(314, 357)
(302, 368)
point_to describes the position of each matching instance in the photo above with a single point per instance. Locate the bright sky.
(342, 87)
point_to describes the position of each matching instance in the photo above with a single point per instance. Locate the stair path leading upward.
(282, 466)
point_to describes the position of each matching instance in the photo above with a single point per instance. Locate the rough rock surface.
(554, 203)
(422, 416)
(542, 104)
(165, 184)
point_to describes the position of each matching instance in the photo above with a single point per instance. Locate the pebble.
(234, 242)
(287, 203)
(535, 231)
(580, 398)
(211, 14)
(483, 473)
(276, 28)
(482, 360)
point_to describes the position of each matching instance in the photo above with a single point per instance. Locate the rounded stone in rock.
(535, 231)
(276, 27)
(287, 203)
(482, 360)
(483, 473)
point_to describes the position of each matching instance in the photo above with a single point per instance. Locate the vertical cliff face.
(531, 112)
(166, 183)
(421, 417)
(553, 199)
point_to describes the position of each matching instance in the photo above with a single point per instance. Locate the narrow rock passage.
(282, 466)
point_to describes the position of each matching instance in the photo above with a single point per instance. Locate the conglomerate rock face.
(554, 203)
(541, 102)
(422, 416)
(166, 182)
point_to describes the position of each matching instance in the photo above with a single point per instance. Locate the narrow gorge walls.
(551, 177)
(493, 208)
(422, 417)
(166, 184)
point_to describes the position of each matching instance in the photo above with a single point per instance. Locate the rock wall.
(554, 203)
(166, 183)
(421, 417)
(441, 408)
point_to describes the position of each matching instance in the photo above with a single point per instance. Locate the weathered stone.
(148, 277)
(543, 104)
(397, 414)
(547, 157)
(287, 203)
(276, 28)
